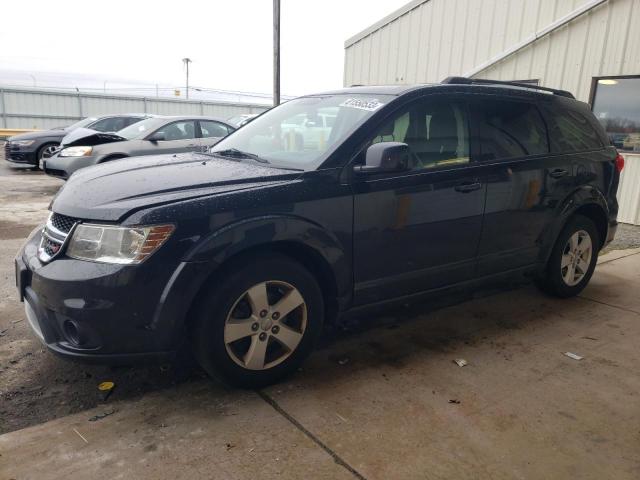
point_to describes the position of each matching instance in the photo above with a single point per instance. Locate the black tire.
(551, 281)
(222, 294)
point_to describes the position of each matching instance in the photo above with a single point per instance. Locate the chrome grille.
(54, 236)
(62, 222)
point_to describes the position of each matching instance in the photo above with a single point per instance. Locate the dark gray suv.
(243, 252)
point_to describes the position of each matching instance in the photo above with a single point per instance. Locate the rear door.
(525, 182)
(419, 230)
(211, 132)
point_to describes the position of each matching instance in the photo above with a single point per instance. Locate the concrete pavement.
(390, 403)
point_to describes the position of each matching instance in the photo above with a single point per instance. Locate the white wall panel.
(629, 191)
(428, 40)
(46, 109)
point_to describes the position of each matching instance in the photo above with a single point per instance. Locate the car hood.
(88, 138)
(38, 134)
(114, 190)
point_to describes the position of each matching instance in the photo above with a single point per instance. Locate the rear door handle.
(558, 172)
(468, 187)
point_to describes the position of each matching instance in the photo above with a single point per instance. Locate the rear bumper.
(109, 314)
(611, 232)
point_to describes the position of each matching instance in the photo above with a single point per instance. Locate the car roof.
(373, 89)
(454, 85)
(193, 117)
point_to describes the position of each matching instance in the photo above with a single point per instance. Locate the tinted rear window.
(510, 129)
(571, 131)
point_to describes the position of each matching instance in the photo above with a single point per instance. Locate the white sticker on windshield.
(369, 105)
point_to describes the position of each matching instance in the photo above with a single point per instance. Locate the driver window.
(436, 133)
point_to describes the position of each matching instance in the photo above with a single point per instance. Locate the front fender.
(249, 233)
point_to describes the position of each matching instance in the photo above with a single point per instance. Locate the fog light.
(71, 332)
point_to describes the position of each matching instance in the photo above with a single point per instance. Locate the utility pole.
(187, 61)
(276, 52)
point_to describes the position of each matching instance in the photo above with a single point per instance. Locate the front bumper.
(102, 313)
(19, 156)
(63, 167)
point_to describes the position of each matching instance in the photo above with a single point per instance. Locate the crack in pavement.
(607, 304)
(336, 458)
(618, 258)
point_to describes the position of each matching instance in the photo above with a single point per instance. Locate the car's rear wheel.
(258, 320)
(573, 258)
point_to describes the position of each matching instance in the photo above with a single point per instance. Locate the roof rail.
(479, 81)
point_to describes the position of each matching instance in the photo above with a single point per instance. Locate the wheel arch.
(307, 243)
(587, 201)
(44, 145)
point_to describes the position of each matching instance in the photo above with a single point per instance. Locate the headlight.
(111, 244)
(76, 152)
(22, 143)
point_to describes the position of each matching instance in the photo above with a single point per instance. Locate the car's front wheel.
(45, 152)
(573, 258)
(258, 320)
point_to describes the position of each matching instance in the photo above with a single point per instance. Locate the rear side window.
(213, 129)
(570, 131)
(510, 129)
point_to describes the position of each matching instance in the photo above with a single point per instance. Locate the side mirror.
(157, 137)
(385, 157)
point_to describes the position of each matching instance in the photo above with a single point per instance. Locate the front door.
(179, 137)
(419, 230)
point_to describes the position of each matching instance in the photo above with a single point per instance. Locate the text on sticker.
(369, 105)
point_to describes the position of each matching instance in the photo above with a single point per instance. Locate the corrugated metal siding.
(629, 191)
(46, 109)
(604, 41)
(437, 38)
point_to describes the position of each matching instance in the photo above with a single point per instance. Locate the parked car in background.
(243, 252)
(30, 148)
(243, 119)
(316, 127)
(152, 136)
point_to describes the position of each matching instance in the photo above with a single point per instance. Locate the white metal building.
(589, 47)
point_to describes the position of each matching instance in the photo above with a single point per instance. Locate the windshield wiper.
(235, 153)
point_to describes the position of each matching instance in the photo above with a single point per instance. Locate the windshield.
(82, 123)
(299, 133)
(142, 129)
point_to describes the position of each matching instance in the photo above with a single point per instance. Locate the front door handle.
(467, 187)
(558, 172)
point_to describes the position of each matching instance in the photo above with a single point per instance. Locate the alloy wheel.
(48, 152)
(265, 325)
(576, 258)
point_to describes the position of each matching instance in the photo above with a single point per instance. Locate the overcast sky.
(230, 41)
